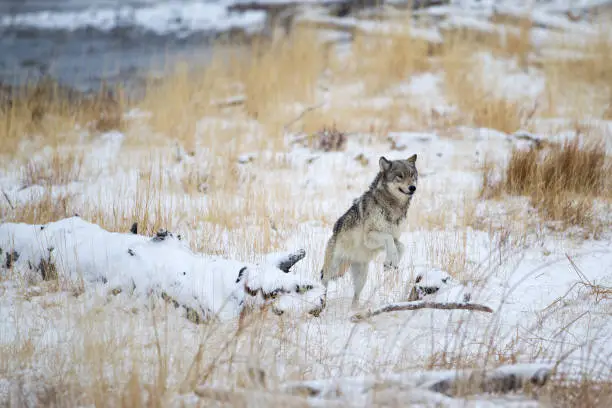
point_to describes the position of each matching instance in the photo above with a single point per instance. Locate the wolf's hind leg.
(334, 265)
(333, 268)
(359, 271)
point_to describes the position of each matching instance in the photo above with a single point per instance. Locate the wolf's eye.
(399, 177)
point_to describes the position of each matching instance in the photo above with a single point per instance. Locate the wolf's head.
(399, 177)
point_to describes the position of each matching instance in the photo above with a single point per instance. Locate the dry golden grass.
(515, 41)
(479, 102)
(350, 119)
(583, 393)
(381, 62)
(580, 85)
(511, 39)
(271, 76)
(561, 181)
(61, 167)
(282, 71)
(148, 203)
(45, 111)
(279, 74)
(48, 207)
(184, 97)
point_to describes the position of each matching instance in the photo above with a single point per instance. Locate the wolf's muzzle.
(410, 191)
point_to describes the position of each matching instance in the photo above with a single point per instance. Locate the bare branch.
(396, 307)
(246, 397)
(291, 259)
(302, 114)
(8, 200)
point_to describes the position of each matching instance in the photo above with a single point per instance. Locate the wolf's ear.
(384, 163)
(412, 159)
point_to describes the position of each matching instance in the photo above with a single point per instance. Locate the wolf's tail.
(332, 267)
(329, 253)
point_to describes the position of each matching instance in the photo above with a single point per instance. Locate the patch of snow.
(170, 17)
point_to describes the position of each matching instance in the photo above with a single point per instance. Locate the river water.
(81, 42)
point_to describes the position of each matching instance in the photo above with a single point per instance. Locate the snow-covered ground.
(250, 204)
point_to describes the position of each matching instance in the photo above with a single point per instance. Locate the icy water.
(81, 42)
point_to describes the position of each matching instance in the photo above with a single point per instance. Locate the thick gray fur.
(372, 224)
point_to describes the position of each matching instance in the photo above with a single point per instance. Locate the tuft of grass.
(61, 167)
(561, 181)
(48, 207)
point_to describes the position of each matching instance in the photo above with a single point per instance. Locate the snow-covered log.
(74, 250)
(503, 379)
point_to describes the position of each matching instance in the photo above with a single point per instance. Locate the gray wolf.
(372, 224)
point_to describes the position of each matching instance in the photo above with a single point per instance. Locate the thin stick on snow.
(8, 200)
(302, 114)
(395, 307)
(245, 397)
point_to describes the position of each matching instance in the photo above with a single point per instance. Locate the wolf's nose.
(412, 189)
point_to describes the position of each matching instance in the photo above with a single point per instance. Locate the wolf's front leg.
(378, 240)
(401, 249)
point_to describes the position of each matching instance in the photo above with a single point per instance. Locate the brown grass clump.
(494, 112)
(330, 139)
(561, 181)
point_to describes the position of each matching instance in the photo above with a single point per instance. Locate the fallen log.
(205, 287)
(396, 307)
(443, 383)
